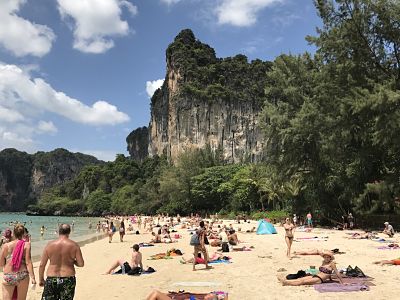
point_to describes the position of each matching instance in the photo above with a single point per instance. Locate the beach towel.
(337, 287)
(383, 241)
(197, 283)
(17, 255)
(388, 248)
(318, 239)
(142, 245)
(219, 261)
(196, 296)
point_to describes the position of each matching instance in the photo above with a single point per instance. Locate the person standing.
(121, 231)
(289, 236)
(111, 231)
(64, 254)
(309, 220)
(294, 219)
(201, 233)
(15, 259)
(350, 219)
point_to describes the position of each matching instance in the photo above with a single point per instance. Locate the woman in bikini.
(15, 259)
(325, 273)
(289, 228)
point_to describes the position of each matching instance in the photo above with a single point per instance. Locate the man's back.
(62, 254)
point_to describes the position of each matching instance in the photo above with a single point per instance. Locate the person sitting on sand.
(251, 230)
(388, 229)
(325, 273)
(157, 295)
(156, 239)
(388, 262)
(232, 236)
(136, 261)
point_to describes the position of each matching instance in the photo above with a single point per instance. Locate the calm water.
(81, 231)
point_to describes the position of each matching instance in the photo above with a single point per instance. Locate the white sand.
(252, 275)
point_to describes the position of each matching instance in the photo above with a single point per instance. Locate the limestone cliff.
(138, 143)
(206, 100)
(23, 177)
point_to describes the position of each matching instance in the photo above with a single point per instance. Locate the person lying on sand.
(200, 260)
(136, 261)
(388, 262)
(364, 235)
(325, 273)
(316, 252)
(157, 295)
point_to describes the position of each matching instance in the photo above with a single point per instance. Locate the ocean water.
(80, 233)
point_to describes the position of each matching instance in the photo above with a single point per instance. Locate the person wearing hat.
(388, 229)
(136, 261)
(326, 270)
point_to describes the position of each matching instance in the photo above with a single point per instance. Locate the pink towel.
(17, 255)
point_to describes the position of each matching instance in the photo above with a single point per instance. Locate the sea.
(81, 232)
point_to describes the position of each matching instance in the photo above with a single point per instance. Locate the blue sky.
(78, 74)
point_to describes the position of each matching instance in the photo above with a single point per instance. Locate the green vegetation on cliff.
(207, 77)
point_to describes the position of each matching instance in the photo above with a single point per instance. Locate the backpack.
(195, 240)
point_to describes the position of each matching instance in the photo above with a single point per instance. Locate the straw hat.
(327, 253)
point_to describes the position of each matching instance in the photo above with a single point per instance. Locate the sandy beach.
(251, 275)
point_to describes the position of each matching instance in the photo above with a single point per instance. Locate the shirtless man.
(136, 261)
(63, 254)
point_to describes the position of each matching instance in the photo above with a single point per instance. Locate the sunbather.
(389, 262)
(316, 252)
(199, 260)
(325, 273)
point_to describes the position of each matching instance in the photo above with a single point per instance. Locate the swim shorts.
(59, 288)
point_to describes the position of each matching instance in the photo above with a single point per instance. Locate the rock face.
(138, 143)
(23, 177)
(205, 101)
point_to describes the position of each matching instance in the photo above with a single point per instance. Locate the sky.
(79, 74)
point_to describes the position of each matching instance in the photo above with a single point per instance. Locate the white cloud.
(16, 87)
(96, 22)
(241, 13)
(9, 115)
(20, 36)
(152, 86)
(9, 139)
(170, 2)
(46, 127)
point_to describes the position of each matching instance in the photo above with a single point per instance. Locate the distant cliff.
(204, 100)
(23, 177)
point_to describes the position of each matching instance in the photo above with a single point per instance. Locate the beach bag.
(194, 240)
(225, 247)
(299, 274)
(135, 271)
